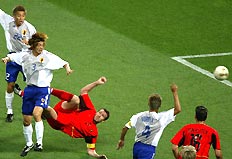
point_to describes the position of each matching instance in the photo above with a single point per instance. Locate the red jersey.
(200, 136)
(77, 123)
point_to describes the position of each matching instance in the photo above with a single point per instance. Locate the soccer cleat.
(26, 149)
(17, 90)
(38, 147)
(9, 118)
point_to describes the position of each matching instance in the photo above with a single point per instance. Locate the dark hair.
(154, 101)
(37, 37)
(201, 113)
(18, 8)
(107, 112)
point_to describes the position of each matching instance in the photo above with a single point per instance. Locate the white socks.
(39, 128)
(9, 99)
(28, 131)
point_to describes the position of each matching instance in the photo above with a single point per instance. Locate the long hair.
(37, 37)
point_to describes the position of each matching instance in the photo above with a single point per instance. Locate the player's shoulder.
(30, 27)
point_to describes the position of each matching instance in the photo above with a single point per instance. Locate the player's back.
(201, 136)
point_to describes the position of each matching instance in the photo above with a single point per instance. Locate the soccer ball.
(221, 73)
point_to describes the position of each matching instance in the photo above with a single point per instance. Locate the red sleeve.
(216, 141)
(85, 102)
(178, 139)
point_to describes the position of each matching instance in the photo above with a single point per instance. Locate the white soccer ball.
(221, 73)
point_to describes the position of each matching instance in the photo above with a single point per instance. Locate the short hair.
(19, 8)
(201, 113)
(154, 101)
(37, 37)
(107, 112)
(188, 152)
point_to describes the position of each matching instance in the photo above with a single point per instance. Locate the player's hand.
(69, 71)
(174, 87)
(102, 80)
(103, 157)
(5, 59)
(120, 144)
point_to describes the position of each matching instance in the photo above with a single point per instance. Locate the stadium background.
(131, 42)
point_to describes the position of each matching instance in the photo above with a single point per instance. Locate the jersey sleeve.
(85, 102)
(5, 19)
(16, 57)
(91, 142)
(167, 117)
(55, 62)
(31, 29)
(216, 140)
(178, 139)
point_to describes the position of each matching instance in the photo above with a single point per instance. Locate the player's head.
(19, 14)
(37, 42)
(154, 101)
(188, 152)
(102, 115)
(201, 113)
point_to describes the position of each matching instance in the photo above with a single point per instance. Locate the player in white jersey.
(149, 126)
(37, 65)
(17, 32)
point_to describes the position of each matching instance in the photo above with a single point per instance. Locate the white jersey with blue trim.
(13, 34)
(38, 69)
(149, 126)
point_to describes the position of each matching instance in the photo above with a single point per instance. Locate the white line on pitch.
(181, 59)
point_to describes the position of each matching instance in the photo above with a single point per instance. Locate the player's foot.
(26, 149)
(38, 147)
(17, 90)
(9, 118)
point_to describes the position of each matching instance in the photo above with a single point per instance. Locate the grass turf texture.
(129, 42)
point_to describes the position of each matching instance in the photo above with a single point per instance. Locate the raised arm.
(177, 107)
(89, 87)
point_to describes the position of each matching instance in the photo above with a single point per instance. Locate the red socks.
(62, 94)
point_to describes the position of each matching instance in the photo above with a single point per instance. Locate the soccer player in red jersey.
(199, 135)
(76, 115)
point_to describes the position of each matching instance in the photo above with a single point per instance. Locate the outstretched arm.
(89, 87)
(122, 137)
(177, 107)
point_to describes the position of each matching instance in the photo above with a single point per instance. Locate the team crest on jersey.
(42, 100)
(41, 60)
(24, 32)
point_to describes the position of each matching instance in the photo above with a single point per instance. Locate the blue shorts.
(12, 71)
(143, 151)
(35, 96)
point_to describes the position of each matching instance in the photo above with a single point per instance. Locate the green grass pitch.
(131, 42)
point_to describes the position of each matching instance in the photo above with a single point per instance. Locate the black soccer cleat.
(9, 118)
(26, 149)
(38, 147)
(17, 90)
